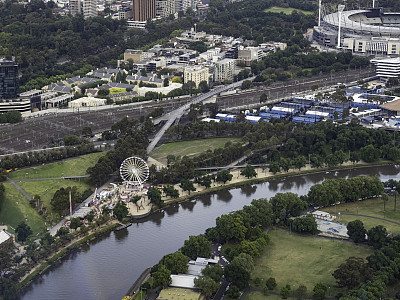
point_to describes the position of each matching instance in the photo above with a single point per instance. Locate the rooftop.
(178, 294)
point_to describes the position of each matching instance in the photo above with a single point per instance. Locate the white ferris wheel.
(134, 171)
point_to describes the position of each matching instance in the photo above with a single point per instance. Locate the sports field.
(371, 207)
(286, 10)
(70, 167)
(304, 260)
(190, 148)
(16, 208)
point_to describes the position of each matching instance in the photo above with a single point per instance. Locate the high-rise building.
(8, 79)
(75, 7)
(224, 69)
(144, 10)
(196, 74)
(165, 8)
(89, 8)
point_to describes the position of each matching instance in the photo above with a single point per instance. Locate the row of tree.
(37, 158)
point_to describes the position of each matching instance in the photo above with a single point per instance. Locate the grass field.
(286, 10)
(16, 208)
(304, 260)
(261, 296)
(46, 189)
(71, 167)
(117, 90)
(371, 207)
(190, 148)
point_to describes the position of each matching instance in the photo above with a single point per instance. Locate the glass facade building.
(8, 79)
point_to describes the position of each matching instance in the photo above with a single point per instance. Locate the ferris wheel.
(134, 171)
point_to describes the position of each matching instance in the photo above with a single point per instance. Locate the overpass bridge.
(178, 113)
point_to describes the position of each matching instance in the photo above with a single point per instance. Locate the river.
(107, 267)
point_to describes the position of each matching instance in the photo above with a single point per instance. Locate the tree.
(75, 223)
(120, 210)
(206, 285)
(238, 271)
(246, 84)
(60, 201)
(306, 224)
(197, 246)
(170, 191)
(155, 196)
(301, 292)
(377, 236)
(70, 140)
(162, 277)
(356, 231)
(248, 171)
(224, 176)
(285, 292)
(320, 290)
(175, 262)
(299, 162)
(203, 86)
(214, 272)
(187, 185)
(233, 292)
(47, 239)
(205, 181)
(263, 98)
(23, 231)
(352, 272)
(274, 167)
(271, 283)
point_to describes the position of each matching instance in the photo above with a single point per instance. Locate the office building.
(8, 79)
(144, 10)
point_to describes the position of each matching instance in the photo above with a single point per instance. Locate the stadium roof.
(346, 23)
(392, 105)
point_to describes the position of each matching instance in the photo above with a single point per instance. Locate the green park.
(304, 260)
(190, 148)
(287, 10)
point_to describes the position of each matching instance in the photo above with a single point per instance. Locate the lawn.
(16, 208)
(190, 148)
(261, 296)
(304, 260)
(371, 207)
(117, 90)
(46, 189)
(286, 10)
(71, 167)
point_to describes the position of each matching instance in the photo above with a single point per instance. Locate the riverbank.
(43, 266)
(262, 176)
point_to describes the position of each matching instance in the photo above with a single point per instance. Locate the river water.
(107, 268)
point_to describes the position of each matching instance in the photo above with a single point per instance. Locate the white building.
(387, 68)
(75, 7)
(87, 102)
(165, 8)
(224, 69)
(249, 54)
(196, 74)
(89, 8)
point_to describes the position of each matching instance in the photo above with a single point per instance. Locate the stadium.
(372, 31)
